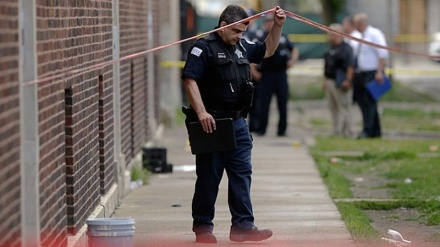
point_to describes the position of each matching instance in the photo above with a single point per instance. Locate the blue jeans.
(209, 170)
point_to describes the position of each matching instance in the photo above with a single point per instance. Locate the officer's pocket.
(227, 72)
(243, 63)
(228, 85)
(229, 91)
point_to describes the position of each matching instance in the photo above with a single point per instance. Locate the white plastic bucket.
(110, 232)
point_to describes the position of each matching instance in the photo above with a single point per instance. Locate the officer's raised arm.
(194, 97)
(273, 38)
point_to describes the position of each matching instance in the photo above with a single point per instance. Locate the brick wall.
(75, 116)
(10, 226)
(106, 142)
(133, 39)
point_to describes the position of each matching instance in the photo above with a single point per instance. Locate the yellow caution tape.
(399, 71)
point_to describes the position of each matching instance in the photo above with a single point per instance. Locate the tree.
(331, 9)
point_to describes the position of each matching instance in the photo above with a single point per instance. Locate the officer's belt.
(225, 114)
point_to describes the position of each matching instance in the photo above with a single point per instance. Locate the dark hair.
(233, 13)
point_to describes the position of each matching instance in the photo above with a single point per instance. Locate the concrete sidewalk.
(288, 196)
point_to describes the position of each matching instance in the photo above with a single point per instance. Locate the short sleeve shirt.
(197, 63)
(278, 61)
(337, 57)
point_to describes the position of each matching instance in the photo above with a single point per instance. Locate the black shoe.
(206, 238)
(253, 234)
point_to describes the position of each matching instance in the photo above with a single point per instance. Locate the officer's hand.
(256, 76)
(379, 77)
(346, 85)
(290, 63)
(207, 122)
(280, 16)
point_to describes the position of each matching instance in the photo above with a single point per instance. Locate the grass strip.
(337, 184)
(357, 222)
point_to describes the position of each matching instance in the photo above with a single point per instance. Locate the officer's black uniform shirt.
(278, 62)
(197, 62)
(337, 57)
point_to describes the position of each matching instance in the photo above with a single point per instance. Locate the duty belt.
(225, 114)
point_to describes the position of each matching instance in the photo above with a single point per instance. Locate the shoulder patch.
(196, 51)
(283, 40)
(249, 42)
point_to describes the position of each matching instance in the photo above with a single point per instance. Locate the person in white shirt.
(370, 64)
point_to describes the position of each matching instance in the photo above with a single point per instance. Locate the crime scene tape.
(262, 14)
(326, 29)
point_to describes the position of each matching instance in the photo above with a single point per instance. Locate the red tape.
(327, 29)
(294, 16)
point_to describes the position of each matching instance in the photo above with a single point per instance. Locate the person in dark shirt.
(338, 74)
(215, 74)
(254, 34)
(271, 78)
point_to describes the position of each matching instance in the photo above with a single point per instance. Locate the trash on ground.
(359, 179)
(135, 184)
(408, 181)
(395, 238)
(335, 160)
(296, 144)
(185, 168)
(433, 148)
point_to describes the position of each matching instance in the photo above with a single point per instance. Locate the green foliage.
(339, 186)
(331, 9)
(411, 119)
(412, 180)
(325, 144)
(402, 93)
(429, 210)
(357, 222)
(140, 173)
(307, 91)
(180, 117)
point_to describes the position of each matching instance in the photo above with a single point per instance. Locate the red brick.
(10, 190)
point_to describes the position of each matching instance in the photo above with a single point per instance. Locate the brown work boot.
(252, 234)
(206, 238)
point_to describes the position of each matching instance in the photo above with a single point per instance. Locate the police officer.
(251, 34)
(338, 75)
(216, 70)
(273, 79)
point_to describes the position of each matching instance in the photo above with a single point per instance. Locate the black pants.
(254, 115)
(274, 83)
(368, 106)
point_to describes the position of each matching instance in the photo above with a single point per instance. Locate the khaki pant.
(340, 104)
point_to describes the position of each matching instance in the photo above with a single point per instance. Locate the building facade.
(67, 143)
